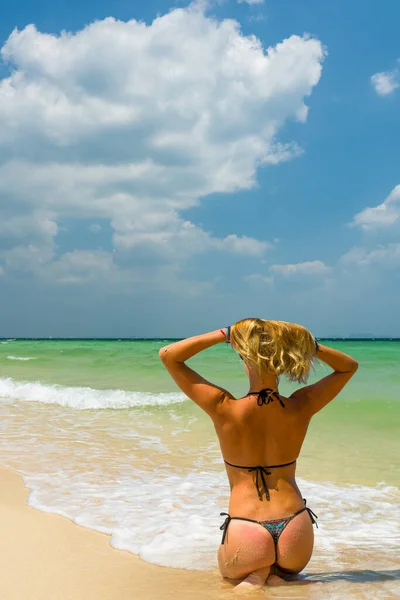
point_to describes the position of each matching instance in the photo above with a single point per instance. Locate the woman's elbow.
(166, 354)
(354, 366)
(351, 368)
(163, 353)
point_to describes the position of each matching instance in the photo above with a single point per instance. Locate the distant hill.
(364, 335)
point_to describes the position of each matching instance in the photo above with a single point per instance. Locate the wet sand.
(48, 557)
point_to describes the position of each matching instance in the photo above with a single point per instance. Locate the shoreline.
(46, 556)
(49, 556)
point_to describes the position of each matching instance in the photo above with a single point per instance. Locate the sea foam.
(83, 397)
(21, 357)
(172, 519)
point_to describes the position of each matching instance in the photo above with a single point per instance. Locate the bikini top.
(264, 396)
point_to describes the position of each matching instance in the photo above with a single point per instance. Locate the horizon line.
(138, 339)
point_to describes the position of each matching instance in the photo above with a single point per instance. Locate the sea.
(102, 435)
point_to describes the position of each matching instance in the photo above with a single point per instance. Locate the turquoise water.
(372, 399)
(103, 436)
(134, 365)
(365, 414)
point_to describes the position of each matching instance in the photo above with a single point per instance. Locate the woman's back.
(267, 434)
(253, 435)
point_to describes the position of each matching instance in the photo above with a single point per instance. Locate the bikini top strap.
(260, 466)
(261, 472)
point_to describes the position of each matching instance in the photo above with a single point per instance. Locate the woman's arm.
(319, 394)
(207, 395)
(338, 361)
(185, 349)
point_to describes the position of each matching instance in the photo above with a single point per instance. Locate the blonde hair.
(275, 347)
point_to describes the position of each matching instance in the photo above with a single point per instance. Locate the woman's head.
(275, 347)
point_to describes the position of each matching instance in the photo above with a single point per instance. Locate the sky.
(170, 168)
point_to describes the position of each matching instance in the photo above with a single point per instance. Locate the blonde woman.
(268, 533)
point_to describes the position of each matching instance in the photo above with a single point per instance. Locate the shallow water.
(130, 456)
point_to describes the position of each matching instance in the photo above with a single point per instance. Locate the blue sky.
(181, 166)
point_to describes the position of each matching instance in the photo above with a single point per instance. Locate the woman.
(268, 533)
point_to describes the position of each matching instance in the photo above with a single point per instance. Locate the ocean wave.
(159, 495)
(21, 357)
(159, 516)
(83, 397)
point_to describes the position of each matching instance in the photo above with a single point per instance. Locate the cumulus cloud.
(84, 265)
(383, 256)
(29, 258)
(386, 83)
(244, 245)
(134, 124)
(383, 215)
(315, 267)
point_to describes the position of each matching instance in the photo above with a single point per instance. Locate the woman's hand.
(319, 394)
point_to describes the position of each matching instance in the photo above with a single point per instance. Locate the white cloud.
(386, 83)
(94, 228)
(251, 1)
(29, 258)
(172, 236)
(281, 152)
(383, 256)
(256, 18)
(244, 245)
(315, 267)
(383, 215)
(133, 124)
(83, 266)
(21, 225)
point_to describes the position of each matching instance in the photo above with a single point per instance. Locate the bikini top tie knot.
(266, 396)
(260, 474)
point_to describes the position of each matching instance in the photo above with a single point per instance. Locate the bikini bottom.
(274, 526)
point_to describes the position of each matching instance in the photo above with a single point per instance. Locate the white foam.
(165, 518)
(21, 358)
(172, 519)
(83, 397)
(156, 490)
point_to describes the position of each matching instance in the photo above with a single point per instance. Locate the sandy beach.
(48, 557)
